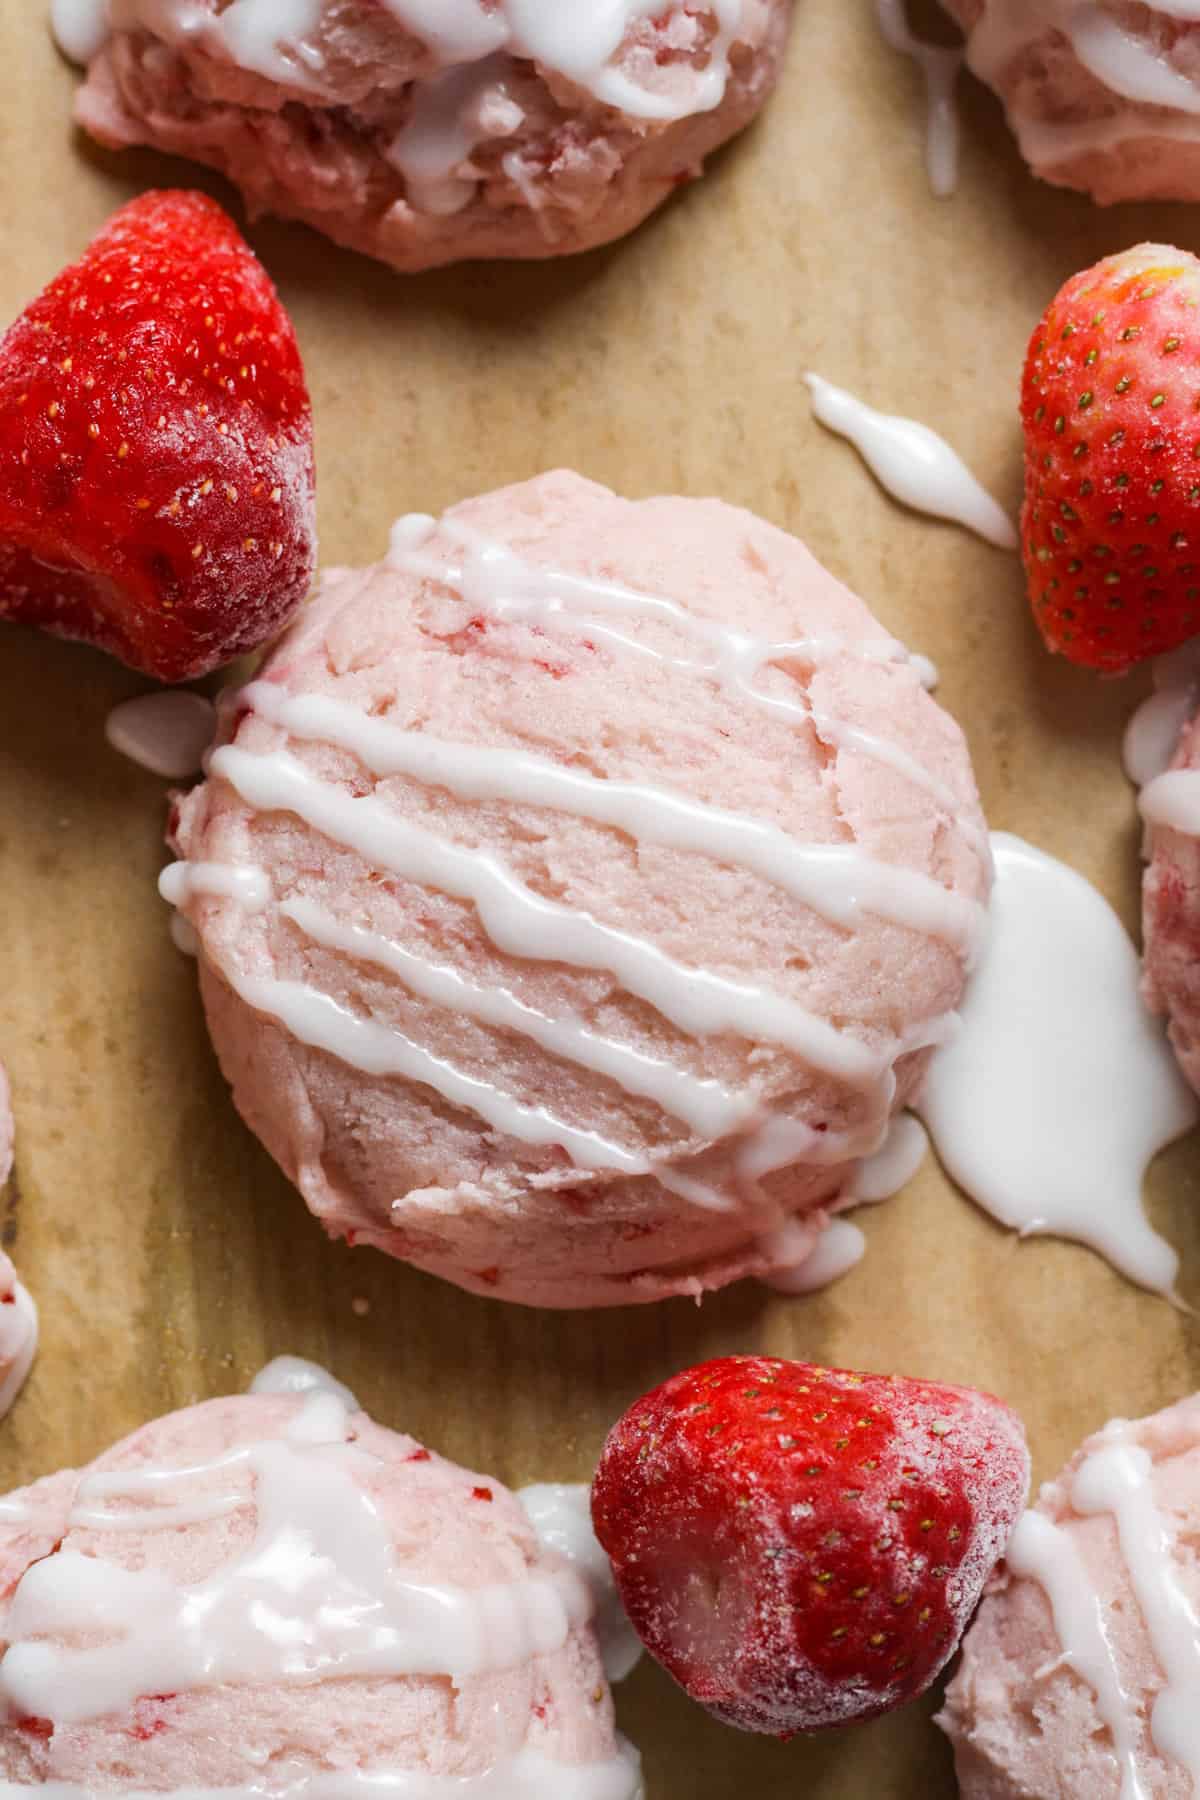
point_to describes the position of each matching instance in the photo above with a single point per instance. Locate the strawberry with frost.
(803, 1547)
(156, 447)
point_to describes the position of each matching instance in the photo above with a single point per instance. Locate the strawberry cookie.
(580, 892)
(803, 1547)
(1080, 1674)
(1104, 97)
(156, 450)
(424, 133)
(271, 1593)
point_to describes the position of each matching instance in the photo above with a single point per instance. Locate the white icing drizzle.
(1060, 1087)
(709, 1108)
(1118, 1479)
(289, 1375)
(940, 68)
(525, 924)
(314, 1596)
(1131, 67)
(912, 463)
(561, 1515)
(166, 733)
(181, 882)
(1153, 732)
(1043, 1552)
(838, 881)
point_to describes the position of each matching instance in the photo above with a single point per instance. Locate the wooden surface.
(169, 1257)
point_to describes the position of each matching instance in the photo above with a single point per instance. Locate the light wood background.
(169, 1257)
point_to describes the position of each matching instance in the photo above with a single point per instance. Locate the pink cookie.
(424, 133)
(1171, 900)
(1080, 1673)
(272, 1590)
(1102, 97)
(579, 893)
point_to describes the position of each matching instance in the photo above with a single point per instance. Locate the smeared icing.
(1117, 1479)
(561, 1515)
(1058, 1090)
(840, 881)
(940, 68)
(166, 733)
(912, 463)
(1129, 65)
(465, 102)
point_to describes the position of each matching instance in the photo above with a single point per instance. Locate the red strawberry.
(156, 456)
(1111, 408)
(802, 1547)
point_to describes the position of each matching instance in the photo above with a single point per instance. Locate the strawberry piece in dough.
(804, 1547)
(156, 453)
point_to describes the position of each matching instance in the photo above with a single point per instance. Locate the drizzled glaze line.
(705, 1106)
(1118, 1479)
(524, 924)
(912, 463)
(1043, 1552)
(940, 68)
(838, 881)
(496, 582)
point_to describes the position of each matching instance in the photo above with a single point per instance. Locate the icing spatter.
(1153, 732)
(840, 881)
(561, 1515)
(912, 463)
(1060, 1087)
(940, 67)
(1116, 1479)
(166, 733)
(466, 102)
(1132, 67)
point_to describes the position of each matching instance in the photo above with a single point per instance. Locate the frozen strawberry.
(803, 1547)
(156, 452)
(1111, 409)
